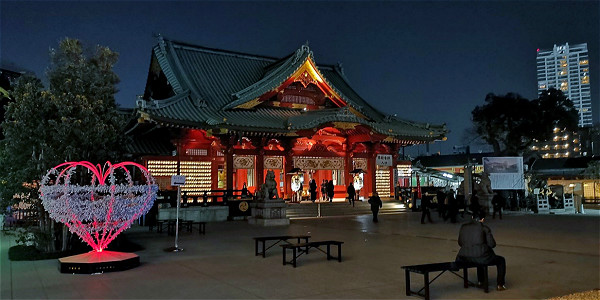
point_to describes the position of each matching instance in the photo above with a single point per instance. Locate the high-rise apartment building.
(566, 68)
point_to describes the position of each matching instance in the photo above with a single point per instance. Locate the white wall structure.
(566, 68)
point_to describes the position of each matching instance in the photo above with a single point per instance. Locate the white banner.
(506, 173)
(384, 160)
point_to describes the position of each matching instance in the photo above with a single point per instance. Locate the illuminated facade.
(566, 68)
(230, 117)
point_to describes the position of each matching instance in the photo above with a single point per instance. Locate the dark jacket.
(351, 191)
(312, 186)
(426, 202)
(498, 202)
(476, 242)
(330, 188)
(375, 202)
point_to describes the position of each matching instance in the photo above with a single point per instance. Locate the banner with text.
(506, 173)
(384, 160)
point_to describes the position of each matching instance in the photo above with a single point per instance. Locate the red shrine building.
(223, 119)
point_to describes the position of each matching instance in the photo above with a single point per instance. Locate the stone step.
(307, 210)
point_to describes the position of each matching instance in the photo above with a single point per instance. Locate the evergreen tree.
(74, 119)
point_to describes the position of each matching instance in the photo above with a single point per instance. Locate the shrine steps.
(329, 209)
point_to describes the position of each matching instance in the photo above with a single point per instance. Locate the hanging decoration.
(99, 211)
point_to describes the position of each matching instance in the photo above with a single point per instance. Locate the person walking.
(330, 190)
(351, 193)
(497, 203)
(476, 242)
(312, 187)
(376, 204)
(425, 205)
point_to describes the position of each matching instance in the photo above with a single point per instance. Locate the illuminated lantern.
(296, 183)
(102, 207)
(358, 181)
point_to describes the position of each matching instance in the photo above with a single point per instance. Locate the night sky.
(424, 61)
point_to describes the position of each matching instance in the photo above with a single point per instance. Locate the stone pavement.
(547, 256)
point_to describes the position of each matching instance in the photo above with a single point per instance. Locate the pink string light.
(98, 212)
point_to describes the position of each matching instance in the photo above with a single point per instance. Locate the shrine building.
(224, 118)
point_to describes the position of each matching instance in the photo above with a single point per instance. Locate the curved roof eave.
(180, 108)
(272, 80)
(387, 128)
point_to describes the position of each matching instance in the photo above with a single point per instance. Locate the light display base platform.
(98, 262)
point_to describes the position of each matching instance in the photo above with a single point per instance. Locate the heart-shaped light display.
(103, 207)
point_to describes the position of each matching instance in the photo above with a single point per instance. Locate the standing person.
(324, 190)
(312, 187)
(498, 204)
(351, 193)
(474, 206)
(452, 209)
(376, 204)
(425, 204)
(476, 242)
(330, 190)
(244, 190)
(446, 212)
(441, 197)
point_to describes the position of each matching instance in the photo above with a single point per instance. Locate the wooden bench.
(452, 267)
(301, 248)
(277, 239)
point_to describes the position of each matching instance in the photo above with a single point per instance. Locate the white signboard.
(506, 173)
(384, 160)
(177, 180)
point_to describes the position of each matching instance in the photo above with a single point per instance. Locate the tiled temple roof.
(211, 84)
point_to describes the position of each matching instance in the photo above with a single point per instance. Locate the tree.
(511, 123)
(74, 119)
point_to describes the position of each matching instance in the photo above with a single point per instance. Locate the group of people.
(448, 205)
(326, 190)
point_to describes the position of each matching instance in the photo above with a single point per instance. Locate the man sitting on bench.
(476, 242)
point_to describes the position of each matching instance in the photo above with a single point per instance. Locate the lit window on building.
(543, 86)
(585, 79)
(583, 62)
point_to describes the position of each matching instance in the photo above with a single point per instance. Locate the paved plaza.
(547, 256)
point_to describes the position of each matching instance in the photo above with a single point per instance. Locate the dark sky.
(424, 61)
